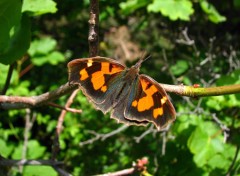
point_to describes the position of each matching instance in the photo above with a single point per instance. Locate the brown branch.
(9, 162)
(93, 28)
(138, 167)
(17, 102)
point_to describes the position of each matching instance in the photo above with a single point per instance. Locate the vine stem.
(196, 91)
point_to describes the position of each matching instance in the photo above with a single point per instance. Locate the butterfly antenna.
(141, 60)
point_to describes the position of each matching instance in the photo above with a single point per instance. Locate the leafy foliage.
(204, 139)
(172, 8)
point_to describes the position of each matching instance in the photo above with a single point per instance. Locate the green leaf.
(6, 149)
(204, 143)
(165, 43)
(42, 52)
(39, 7)
(218, 161)
(179, 68)
(212, 12)
(131, 6)
(10, 17)
(3, 74)
(17, 153)
(233, 78)
(22, 89)
(35, 150)
(216, 102)
(55, 58)
(19, 42)
(42, 46)
(39, 171)
(236, 4)
(174, 9)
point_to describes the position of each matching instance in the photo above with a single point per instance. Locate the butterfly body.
(131, 98)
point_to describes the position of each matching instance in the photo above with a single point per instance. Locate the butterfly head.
(139, 63)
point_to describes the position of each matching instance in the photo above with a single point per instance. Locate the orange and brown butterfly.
(131, 97)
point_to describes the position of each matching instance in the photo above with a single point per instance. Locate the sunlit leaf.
(179, 68)
(39, 7)
(174, 9)
(211, 11)
(131, 6)
(39, 171)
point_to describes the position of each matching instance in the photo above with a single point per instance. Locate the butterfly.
(132, 98)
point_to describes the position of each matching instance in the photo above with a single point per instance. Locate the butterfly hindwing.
(118, 109)
(148, 101)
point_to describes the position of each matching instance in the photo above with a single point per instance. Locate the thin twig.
(56, 146)
(164, 142)
(29, 120)
(187, 41)
(233, 162)
(79, 111)
(102, 137)
(119, 173)
(224, 128)
(150, 130)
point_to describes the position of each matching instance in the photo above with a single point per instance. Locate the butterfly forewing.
(149, 101)
(98, 77)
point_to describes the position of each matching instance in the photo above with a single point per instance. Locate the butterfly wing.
(99, 78)
(118, 115)
(148, 101)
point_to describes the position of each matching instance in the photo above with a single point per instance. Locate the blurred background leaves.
(189, 42)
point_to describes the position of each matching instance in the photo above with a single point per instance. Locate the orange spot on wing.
(145, 103)
(104, 88)
(97, 80)
(157, 112)
(83, 74)
(116, 69)
(163, 100)
(105, 68)
(134, 103)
